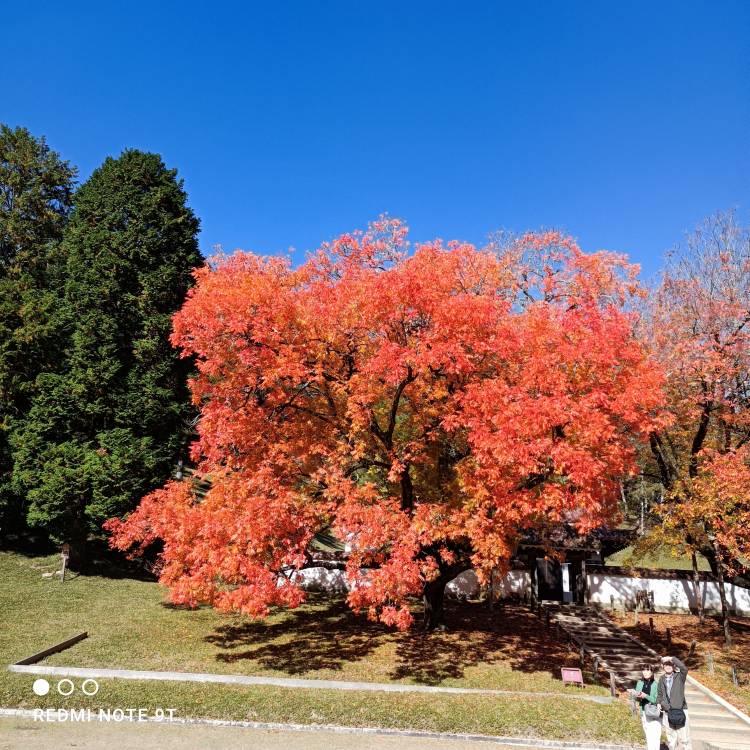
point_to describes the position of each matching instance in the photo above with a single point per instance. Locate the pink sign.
(572, 676)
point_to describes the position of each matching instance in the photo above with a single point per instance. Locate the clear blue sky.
(622, 122)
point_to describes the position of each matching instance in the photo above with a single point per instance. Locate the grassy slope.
(131, 627)
(664, 559)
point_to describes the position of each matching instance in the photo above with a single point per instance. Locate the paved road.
(26, 734)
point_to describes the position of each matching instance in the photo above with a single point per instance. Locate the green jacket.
(651, 694)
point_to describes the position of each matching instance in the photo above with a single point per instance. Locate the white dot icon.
(40, 687)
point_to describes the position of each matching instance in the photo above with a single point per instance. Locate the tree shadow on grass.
(323, 637)
(326, 635)
(509, 635)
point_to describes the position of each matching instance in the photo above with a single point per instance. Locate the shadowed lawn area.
(131, 627)
(709, 637)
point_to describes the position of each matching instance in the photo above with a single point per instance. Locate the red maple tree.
(429, 407)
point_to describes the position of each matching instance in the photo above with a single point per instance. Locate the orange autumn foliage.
(720, 500)
(700, 334)
(428, 406)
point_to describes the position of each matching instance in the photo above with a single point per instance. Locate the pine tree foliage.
(36, 189)
(107, 426)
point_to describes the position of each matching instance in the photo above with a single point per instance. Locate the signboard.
(571, 676)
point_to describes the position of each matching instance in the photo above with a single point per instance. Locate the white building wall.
(464, 586)
(321, 579)
(670, 594)
(513, 583)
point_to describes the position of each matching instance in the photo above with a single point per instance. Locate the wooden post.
(583, 657)
(635, 616)
(691, 653)
(710, 662)
(612, 684)
(669, 639)
(651, 627)
(546, 618)
(612, 602)
(65, 555)
(596, 666)
(734, 675)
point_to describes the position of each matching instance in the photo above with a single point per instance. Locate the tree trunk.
(724, 607)
(717, 569)
(697, 589)
(434, 611)
(76, 538)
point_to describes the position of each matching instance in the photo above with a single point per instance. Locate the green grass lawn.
(558, 718)
(663, 559)
(131, 626)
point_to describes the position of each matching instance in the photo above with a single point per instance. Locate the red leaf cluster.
(427, 406)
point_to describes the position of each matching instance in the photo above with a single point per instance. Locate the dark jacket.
(652, 693)
(677, 699)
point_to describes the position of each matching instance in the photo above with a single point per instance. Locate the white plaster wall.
(513, 583)
(678, 595)
(464, 586)
(322, 579)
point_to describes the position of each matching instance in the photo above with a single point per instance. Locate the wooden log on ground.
(34, 658)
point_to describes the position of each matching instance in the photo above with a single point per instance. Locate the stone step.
(719, 723)
(608, 648)
(705, 710)
(698, 699)
(727, 734)
(611, 639)
(592, 627)
(705, 705)
(586, 633)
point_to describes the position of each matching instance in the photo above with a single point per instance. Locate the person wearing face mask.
(672, 700)
(646, 696)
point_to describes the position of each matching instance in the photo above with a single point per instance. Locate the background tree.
(429, 408)
(36, 189)
(106, 427)
(699, 329)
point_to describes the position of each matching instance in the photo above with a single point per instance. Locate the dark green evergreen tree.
(107, 426)
(36, 189)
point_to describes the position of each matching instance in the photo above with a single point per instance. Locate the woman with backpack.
(645, 694)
